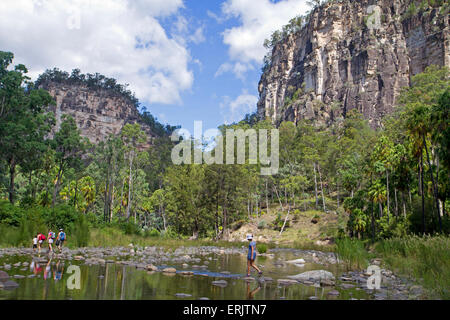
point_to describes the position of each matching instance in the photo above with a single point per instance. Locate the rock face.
(98, 113)
(342, 60)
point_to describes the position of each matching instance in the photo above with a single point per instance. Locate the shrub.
(10, 214)
(262, 224)
(261, 247)
(80, 231)
(153, 233)
(169, 233)
(61, 216)
(131, 228)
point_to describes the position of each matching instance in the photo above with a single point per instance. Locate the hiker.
(60, 240)
(35, 242)
(51, 239)
(41, 239)
(251, 256)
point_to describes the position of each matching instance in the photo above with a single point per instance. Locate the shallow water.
(118, 282)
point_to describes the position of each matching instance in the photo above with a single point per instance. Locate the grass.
(353, 253)
(112, 237)
(426, 259)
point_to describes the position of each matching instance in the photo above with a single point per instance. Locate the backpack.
(62, 236)
(42, 237)
(52, 234)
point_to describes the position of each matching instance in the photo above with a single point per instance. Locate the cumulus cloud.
(235, 110)
(257, 23)
(119, 38)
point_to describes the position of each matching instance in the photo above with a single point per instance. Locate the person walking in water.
(51, 239)
(35, 242)
(251, 256)
(41, 239)
(60, 240)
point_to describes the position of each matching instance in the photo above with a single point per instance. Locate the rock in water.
(315, 275)
(183, 295)
(297, 261)
(170, 270)
(3, 276)
(220, 283)
(9, 285)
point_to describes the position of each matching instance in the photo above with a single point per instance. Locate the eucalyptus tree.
(24, 122)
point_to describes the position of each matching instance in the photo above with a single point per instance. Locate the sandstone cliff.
(338, 62)
(97, 112)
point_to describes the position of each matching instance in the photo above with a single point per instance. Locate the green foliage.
(261, 248)
(80, 231)
(153, 233)
(130, 228)
(262, 224)
(352, 252)
(426, 258)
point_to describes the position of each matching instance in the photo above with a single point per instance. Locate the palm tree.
(378, 194)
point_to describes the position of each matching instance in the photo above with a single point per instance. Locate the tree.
(69, 148)
(23, 120)
(133, 138)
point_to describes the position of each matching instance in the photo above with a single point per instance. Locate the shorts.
(61, 242)
(40, 241)
(34, 246)
(50, 241)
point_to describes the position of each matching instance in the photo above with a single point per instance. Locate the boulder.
(151, 267)
(169, 270)
(314, 275)
(3, 276)
(220, 283)
(297, 261)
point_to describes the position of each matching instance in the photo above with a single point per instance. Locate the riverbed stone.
(3, 276)
(314, 275)
(183, 295)
(169, 270)
(327, 282)
(333, 293)
(286, 282)
(151, 267)
(220, 283)
(9, 285)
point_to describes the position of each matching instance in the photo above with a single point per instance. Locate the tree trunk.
(267, 197)
(435, 187)
(130, 181)
(315, 185)
(422, 192)
(338, 194)
(58, 181)
(396, 202)
(76, 190)
(12, 175)
(387, 192)
(321, 189)
(287, 216)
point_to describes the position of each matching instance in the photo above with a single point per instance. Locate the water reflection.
(47, 277)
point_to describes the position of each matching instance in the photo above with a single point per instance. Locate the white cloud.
(235, 110)
(198, 36)
(257, 24)
(239, 69)
(119, 38)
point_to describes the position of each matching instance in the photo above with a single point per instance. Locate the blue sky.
(186, 60)
(203, 101)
